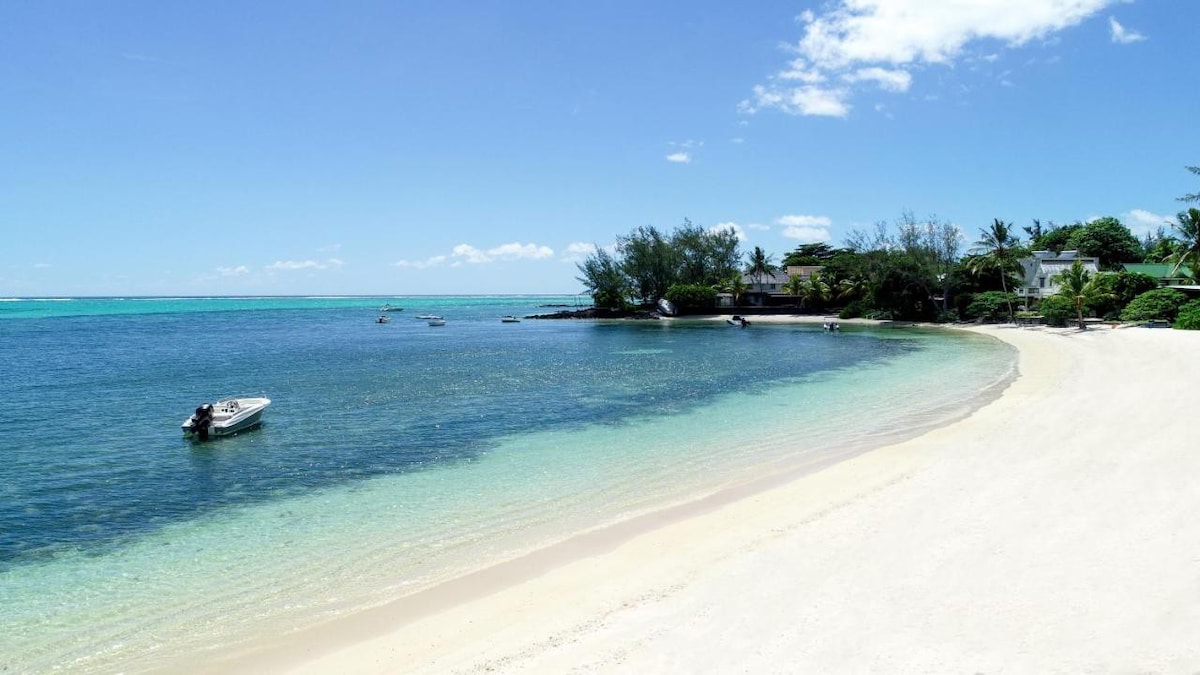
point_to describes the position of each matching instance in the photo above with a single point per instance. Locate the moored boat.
(508, 318)
(390, 308)
(437, 321)
(225, 417)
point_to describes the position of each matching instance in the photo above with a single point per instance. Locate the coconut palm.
(734, 286)
(997, 249)
(795, 287)
(852, 288)
(1079, 286)
(759, 264)
(815, 289)
(1188, 233)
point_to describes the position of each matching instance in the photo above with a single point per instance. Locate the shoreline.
(510, 617)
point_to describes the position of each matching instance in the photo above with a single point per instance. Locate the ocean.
(394, 456)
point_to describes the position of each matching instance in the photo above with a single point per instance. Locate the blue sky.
(424, 147)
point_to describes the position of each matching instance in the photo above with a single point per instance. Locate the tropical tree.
(1195, 196)
(852, 287)
(997, 249)
(1110, 241)
(794, 287)
(605, 280)
(814, 290)
(1077, 285)
(649, 262)
(734, 286)
(760, 264)
(1187, 227)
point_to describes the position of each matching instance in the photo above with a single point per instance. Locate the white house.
(1040, 269)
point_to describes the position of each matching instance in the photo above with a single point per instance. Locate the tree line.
(907, 269)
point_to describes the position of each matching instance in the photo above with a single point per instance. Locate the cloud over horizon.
(880, 43)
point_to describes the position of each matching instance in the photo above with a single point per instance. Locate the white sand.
(1055, 530)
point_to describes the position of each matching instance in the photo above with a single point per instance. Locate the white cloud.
(679, 158)
(1141, 222)
(240, 270)
(807, 229)
(42, 266)
(435, 261)
(578, 250)
(758, 226)
(883, 42)
(512, 251)
(731, 227)
(1122, 35)
(888, 80)
(292, 265)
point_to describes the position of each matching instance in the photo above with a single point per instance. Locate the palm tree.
(794, 287)
(997, 249)
(1079, 286)
(1188, 230)
(759, 265)
(815, 289)
(852, 287)
(734, 286)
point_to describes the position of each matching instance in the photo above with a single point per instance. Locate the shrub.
(1118, 289)
(853, 310)
(1189, 316)
(990, 306)
(692, 298)
(1161, 303)
(1057, 310)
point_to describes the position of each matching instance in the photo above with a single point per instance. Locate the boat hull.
(229, 417)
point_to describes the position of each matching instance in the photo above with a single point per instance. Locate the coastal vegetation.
(910, 269)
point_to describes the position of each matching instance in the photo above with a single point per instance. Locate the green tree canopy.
(1110, 241)
(1187, 229)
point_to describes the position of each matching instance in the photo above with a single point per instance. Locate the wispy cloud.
(856, 43)
(807, 229)
(679, 158)
(578, 250)
(514, 251)
(435, 261)
(293, 265)
(240, 270)
(42, 266)
(330, 248)
(1122, 35)
(1142, 222)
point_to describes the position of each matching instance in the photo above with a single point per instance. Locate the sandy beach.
(1053, 530)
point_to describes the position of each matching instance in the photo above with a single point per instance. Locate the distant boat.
(389, 308)
(225, 417)
(428, 316)
(666, 307)
(437, 321)
(508, 318)
(382, 319)
(736, 320)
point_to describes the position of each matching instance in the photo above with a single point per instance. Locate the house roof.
(1157, 270)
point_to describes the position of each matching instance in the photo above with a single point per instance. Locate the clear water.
(394, 456)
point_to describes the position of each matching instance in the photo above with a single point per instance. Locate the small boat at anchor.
(224, 418)
(509, 318)
(437, 321)
(390, 308)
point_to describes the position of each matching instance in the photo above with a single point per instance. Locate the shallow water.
(393, 457)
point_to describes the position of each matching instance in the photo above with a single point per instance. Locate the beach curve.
(1049, 530)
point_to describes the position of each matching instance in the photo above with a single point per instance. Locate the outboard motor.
(201, 421)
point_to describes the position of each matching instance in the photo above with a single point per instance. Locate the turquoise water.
(394, 456)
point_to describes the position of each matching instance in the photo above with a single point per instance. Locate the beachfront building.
(1165, 273)
(770, 290)
(1041, 267)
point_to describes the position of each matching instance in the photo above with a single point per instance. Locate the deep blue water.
(91, 453)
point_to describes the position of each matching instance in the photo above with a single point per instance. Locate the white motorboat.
(509, 318)
(437, 321)
(736, 320)
(390, 308)
(382, 319)
(426, 317)
(225, 417)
